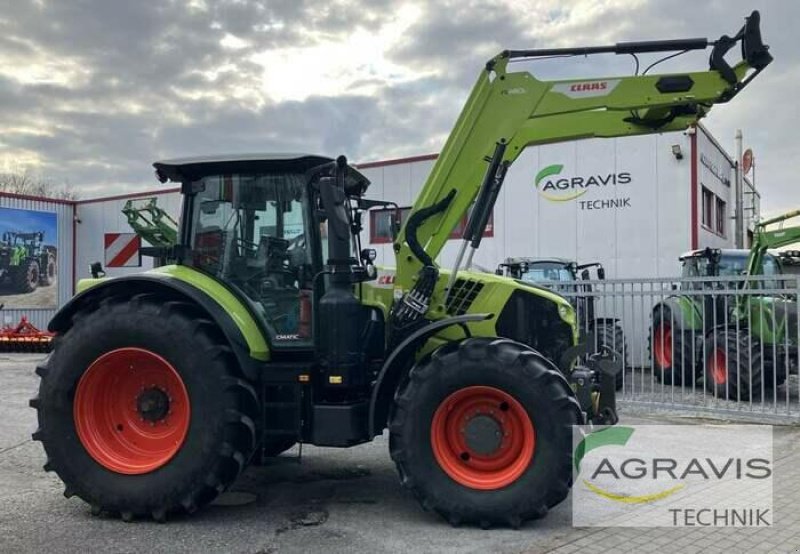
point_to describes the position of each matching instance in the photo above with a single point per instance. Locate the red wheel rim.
(131, 411)
(662, 346)
(508, 424)
(718, 364)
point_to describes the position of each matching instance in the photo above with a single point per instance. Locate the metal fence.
(716, 346)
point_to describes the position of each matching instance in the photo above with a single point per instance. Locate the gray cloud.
(136, 81)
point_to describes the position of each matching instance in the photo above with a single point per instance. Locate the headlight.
(567, 313)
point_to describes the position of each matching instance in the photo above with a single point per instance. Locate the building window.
(708, 208)
(721, 216)
(380, 224)
(458, 232)
(380, 229)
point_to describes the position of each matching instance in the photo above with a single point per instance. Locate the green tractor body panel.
(259, 349)
(772, 320)
(492, 295)
(689, 311)
(233, 307)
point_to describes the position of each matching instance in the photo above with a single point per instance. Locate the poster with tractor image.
(28, 259)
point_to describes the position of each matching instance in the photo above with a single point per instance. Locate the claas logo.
(583, 87)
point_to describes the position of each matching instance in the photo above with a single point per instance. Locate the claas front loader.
(271, 329)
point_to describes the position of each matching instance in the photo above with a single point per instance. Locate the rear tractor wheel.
(481, 432)
(140, 422)
(672, 350)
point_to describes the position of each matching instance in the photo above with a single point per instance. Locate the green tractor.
(27, 263)
(745, 340)
(271, 328)
(564, 276)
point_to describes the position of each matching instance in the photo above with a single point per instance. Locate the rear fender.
(231, 316)
(683, 312)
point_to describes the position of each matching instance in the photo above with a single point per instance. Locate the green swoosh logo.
(604, 437)
(555, 169)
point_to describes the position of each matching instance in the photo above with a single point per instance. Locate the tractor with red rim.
(272, 327)
(735, 327)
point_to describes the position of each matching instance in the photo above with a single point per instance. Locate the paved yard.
(335, 501)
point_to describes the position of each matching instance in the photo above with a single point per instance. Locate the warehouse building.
(634, 204)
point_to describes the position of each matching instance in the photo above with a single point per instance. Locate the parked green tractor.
(743, 339)
(25, 262)
(566, 277)
(271, 328)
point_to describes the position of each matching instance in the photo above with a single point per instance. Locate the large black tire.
(734, 368)
(48, 273)
(26, 276)
(537, 387)
(220, 436)
(611, 335)
(672, 350)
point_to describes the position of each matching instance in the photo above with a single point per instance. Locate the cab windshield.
(729, 265)
(547, 271)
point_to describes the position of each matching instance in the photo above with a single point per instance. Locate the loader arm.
(764, 239)
(508, 111)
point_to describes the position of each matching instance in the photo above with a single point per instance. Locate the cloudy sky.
(93, 91)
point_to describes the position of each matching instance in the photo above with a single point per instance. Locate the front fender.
(399, 362)
(231, 315)
(682, 310)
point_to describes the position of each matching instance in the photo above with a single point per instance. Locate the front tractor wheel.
(48, 275)
(482, 432)
(734, 365)
(142, 410)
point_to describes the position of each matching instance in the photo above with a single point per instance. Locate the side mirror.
(585, 275)
(96, 270)
(498, 271)
(396, 224)
(523, 267)
(601, 273)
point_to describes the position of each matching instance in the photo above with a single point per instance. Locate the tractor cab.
(256, 223)
(715, 262)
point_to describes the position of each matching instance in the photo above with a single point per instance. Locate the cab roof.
(193, 168)
(560, 261)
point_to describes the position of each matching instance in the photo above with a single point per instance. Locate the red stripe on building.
(130, 250)
(110, 238)
(693, 189)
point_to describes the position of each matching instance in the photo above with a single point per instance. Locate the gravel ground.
(334, 501)
(42, 297)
